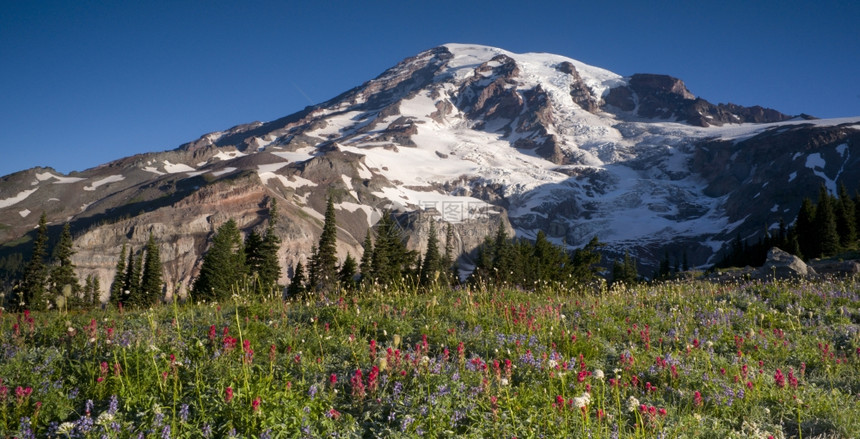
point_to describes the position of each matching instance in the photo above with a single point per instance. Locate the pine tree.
(33, 291)
(585, 260)
(253, 254)
(503, 257)
(390, 262)
(151, 284)
(129, 285)
(448, 257)
(63, 272)
(825, 225)
(846, 223)
(223, 265)
(366, 258)
(346, 275)
(804, 228)
(270, 267)
(432, 263)
(119, 272)
(297, 284)
(324, 261)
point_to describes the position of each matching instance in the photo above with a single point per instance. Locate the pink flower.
(697, 398)
(779, 379)
(255, 404)
(228, 394)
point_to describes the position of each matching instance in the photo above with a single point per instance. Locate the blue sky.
(86, 82)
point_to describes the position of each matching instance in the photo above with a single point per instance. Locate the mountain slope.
(471, 135)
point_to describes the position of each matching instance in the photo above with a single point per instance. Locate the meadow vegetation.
(672, 359)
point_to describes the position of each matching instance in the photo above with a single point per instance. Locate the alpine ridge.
(466, 134)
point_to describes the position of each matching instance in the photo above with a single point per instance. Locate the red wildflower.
(697, 398)
(228, 394)
(255, 404)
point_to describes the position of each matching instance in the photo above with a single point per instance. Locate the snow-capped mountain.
(469, 135)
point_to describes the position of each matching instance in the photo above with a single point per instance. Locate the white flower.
(104, 418)
(632, 404)
(66, 428)
(580, 402)
(552, 364)
(598, 374)
(504, 382)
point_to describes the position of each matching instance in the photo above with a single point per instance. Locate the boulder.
(782, 265)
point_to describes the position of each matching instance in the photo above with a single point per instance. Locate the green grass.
(464, 363)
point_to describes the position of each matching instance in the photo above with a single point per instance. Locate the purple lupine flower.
(183, 412)
(114, 405)
(206, 431)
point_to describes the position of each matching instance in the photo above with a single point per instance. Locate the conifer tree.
(825, 225)
(846, 223)
(223, 265)
(63, 272)
(119, 273)
(366, 257)
(346, 275)
(129, 285)
(324, 261)
(253, 254)
(151, 284)
(270, 267)
(297, 283)
(32, 292)
(390, 261)
(804, 228)
(584, 261)
(432, 263)
(448, 257)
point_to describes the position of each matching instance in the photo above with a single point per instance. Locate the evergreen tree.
(804, 228)
(585, 261)
(846, 223)
(366, 257)
(297, 284)
(347, 272)
(129, 285)
(551, 261)
(136, 275)
(432, 263)
(625, 271)
(32, 293)
(270, 267)
(151, 284)
(119, 273)
(503, 256)
(448, 257)
(390, 262)
(324, 261)
(825, 225)
(253, 254)
(63, 272)
(223, 265)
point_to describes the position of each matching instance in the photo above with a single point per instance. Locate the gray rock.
(783, 265)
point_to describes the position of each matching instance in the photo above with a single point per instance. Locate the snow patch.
(17, 198)
(24, 213)
(106, 180)
(228, 155)
(174, 168)
(43, 176)
(226, 170)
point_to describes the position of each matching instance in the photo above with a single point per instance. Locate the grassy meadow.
(673, 360)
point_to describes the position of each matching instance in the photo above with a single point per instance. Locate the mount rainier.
(469, 135)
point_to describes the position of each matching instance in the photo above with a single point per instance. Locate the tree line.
(821, 229)
(49, 280)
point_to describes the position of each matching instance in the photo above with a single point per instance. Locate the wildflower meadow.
(674, 360)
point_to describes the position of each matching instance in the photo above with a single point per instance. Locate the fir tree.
(585, 261)
(432, 263)
(129, 285)
(63, 272)
(151, 284)
(846, 223)
(448, 257)
(825, 225)
(223, 265)
(324, 261)
(119, 273)
(32, 292)
(625, 271)
(297, 283)
(270, 267)
(804, 228)
(346, 275)
(253, 254)
(366, 257)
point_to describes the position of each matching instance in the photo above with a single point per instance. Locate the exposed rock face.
(664, 97)
(579, 91)
(783, 265)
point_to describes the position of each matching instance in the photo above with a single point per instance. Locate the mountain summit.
(470, 135)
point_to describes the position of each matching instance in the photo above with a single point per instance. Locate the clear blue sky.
(86, 82)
